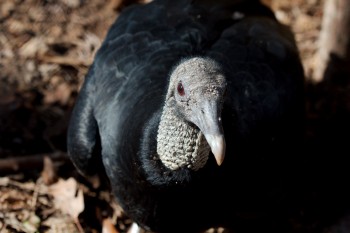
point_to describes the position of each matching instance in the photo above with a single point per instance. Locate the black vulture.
(194, 108)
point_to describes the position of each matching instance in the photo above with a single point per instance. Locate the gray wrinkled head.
(200, 77)
(192, 115)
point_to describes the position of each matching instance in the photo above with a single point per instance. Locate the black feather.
(118, 110)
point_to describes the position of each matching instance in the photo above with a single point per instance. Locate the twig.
(2, 225)
(77, 223)
(35, 195)
(61, 60)
(19, 163)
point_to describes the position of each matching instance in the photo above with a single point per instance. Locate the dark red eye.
(180, 89)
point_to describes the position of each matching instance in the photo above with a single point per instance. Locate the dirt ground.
(46, 48)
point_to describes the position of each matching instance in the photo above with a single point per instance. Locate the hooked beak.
(208, 121)
(217, 145)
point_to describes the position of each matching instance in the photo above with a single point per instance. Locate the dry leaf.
(4, 181)
(49, 171)
(68, 197)
(60, 224)
(60, 94)
(32, 223)
(108, 226)
(6, 9)
(34, 46)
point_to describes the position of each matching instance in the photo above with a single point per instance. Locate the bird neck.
(180, 144)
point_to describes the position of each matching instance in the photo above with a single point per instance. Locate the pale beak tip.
(219, 161)
(218, 147)
(219, 156)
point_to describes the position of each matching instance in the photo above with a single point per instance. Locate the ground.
(46, 48)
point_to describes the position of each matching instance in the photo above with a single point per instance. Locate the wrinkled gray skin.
(200, 103)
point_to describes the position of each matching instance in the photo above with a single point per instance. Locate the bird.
(192, 108)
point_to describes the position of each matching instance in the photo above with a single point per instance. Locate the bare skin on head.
(190, 125)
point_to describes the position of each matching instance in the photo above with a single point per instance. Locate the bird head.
(195, 97)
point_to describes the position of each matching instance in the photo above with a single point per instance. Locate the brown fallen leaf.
(68, 197)
(60, 94)
(33, 47)
(108, 226)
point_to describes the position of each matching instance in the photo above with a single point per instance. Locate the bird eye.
(180, 89)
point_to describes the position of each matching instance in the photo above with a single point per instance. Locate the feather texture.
(118, 112)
